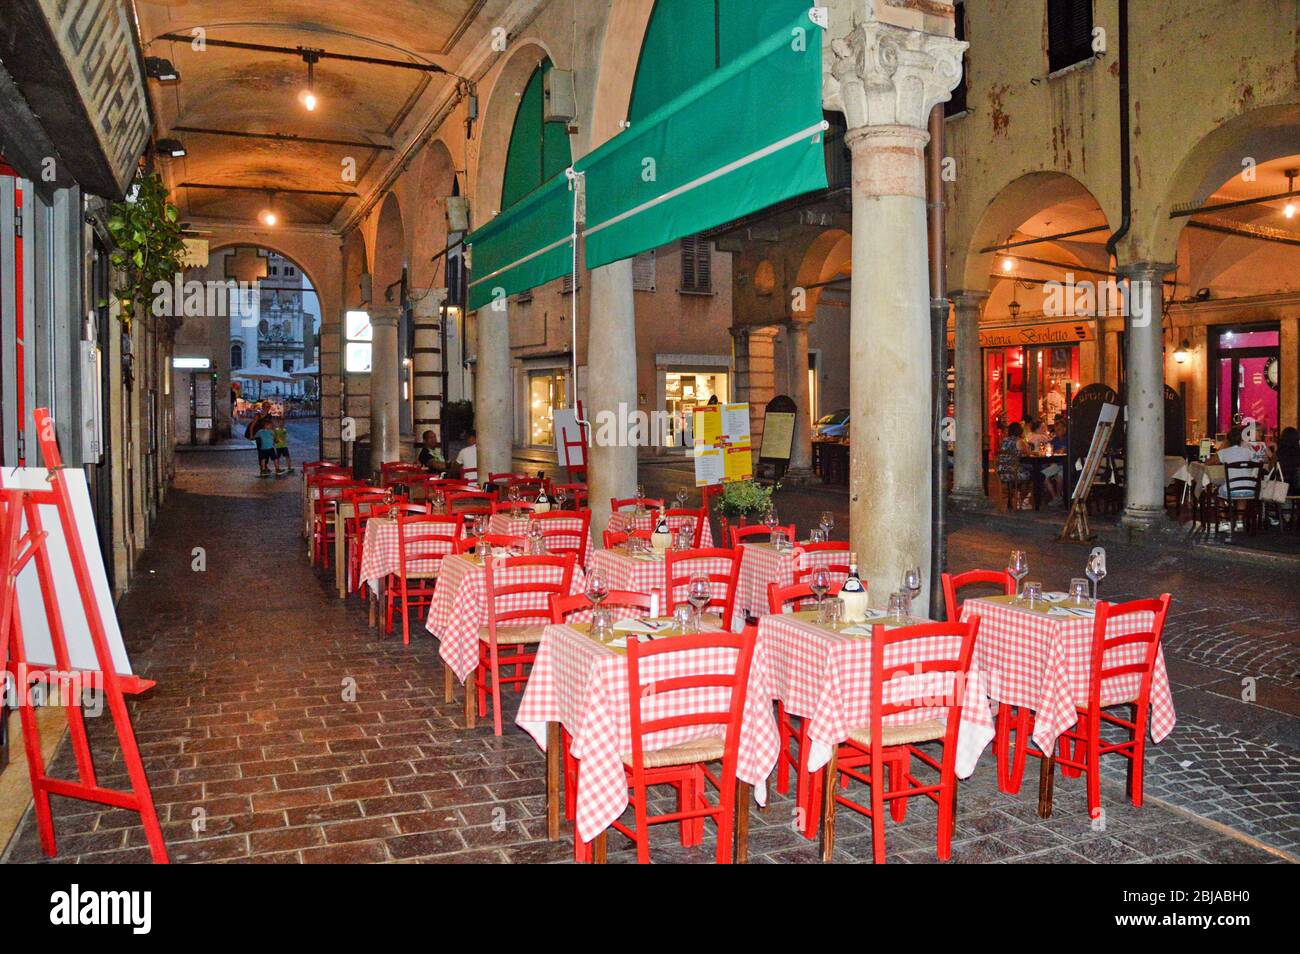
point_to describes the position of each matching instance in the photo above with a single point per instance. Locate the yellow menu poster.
(722, 444)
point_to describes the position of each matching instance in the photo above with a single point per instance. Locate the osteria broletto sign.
(1030, 336)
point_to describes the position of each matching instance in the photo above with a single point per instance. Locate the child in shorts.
(264, 437)
(281, 446)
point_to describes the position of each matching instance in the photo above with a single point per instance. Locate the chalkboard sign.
(778, 433)
(1175, 424)
(1085, 410)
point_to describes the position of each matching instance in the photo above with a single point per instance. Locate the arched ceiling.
(229, 102)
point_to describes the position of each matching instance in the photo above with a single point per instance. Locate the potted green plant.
(743, 500)
(150, 246)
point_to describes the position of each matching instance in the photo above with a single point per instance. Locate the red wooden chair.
(681, 566)
(512, 506)
(650, 503)
(1112, 683)
(394, 472)
(326, 489)
(518, 593)
(575, 495)
(816, 556)
(364, 501)
(759, 532)
(677, 516)
(942, 649)
(778, 597)
(315, 467)
(659, 701)
(616, 538)
(422, 542)
(566, 532)
(476, 502)
(1012, 720)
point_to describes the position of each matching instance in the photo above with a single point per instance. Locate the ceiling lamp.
(1181, 355)
(1014, 307)
(268, 215)
(308, 95)
(1289, 209)
(170, 148)
(155, 67)
(1007, 263)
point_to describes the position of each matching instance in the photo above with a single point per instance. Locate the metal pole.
(939, 360)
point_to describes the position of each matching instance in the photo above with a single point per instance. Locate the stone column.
(385, 386)
(800, 469)
(493, 390)
(885, 79)
(611, 388)
(754, 381)
(969, 462)
(1144, 364)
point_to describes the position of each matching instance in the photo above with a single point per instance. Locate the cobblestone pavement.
(282, 729)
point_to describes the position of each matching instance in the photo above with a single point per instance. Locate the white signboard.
(31, 606)
(570, 441)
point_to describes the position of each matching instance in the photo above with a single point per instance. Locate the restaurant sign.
(1056, 333)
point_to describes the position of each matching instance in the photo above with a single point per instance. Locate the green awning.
(527, 245)
(745, 138)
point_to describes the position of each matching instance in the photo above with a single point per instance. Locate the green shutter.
(746, 137)
(527, 245)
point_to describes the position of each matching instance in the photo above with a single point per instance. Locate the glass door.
(1245, 378)
(547, 392)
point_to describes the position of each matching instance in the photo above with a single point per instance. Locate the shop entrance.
(1245, 377)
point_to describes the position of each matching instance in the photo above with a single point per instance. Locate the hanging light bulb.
(1289, 209)
(268, 215)
(1007, 263)
(308, 96)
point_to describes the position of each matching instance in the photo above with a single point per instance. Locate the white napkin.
(1072, 611)
(646, 626)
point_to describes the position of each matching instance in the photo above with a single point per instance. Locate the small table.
(762, 564)
(580, 683)
(625, 521)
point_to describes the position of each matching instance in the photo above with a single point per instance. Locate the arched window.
(236, 356)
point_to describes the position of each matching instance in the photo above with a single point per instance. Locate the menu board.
(722, 448)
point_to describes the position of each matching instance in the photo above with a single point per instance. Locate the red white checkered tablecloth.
(648, 574)
(825, 677)
(381, 554)
(459, 607)
(620, 521)
(1044, 662)
(582, 684)
(762, 564)
(516, 525)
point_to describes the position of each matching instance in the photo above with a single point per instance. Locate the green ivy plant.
(150, 249)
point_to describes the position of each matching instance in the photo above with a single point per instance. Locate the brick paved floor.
(283, 730)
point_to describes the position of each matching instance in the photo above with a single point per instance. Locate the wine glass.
(597, 587)
(698, 594)
(1096, 569)
(640, 498)
(770, 519)
(820, 584)
(561, 495)
(912, 580)
(1018, 567)
(681, 499)
(827, 523)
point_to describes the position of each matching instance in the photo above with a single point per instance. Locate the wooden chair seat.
(930, 730)
(685, 753)
(514, 635)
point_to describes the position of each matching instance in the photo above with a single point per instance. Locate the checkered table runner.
(582, 684)
(381, 554)
(516, 525)
(762, 564)
(623, 521)
(825, 677)
(1044, 662)
(459, 607)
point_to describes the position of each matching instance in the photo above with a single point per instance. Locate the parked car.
(835, 424)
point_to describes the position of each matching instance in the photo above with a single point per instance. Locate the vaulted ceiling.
(239, 111)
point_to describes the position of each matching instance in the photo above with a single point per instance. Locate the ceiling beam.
(281, 190)
(280, 137)
(1183, 212)
(301, 51)
(1044, 238)
(1245, 231)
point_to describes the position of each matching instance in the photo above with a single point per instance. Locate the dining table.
(647, 572)
(579, 684)
(762, 564)
(516, 525)
(822, 674)
(625, 521)
(1039, 657)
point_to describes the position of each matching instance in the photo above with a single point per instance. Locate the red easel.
(17, 548)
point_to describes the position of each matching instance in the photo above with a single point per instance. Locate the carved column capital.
(885, 75)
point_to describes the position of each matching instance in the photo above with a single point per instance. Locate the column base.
(1145, 519)
(970, 500)
(798, 476)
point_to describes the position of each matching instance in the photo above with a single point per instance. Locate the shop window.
(358, 345)
(547, 393)
(683, 392)
(697, 266)
(1069, 33)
